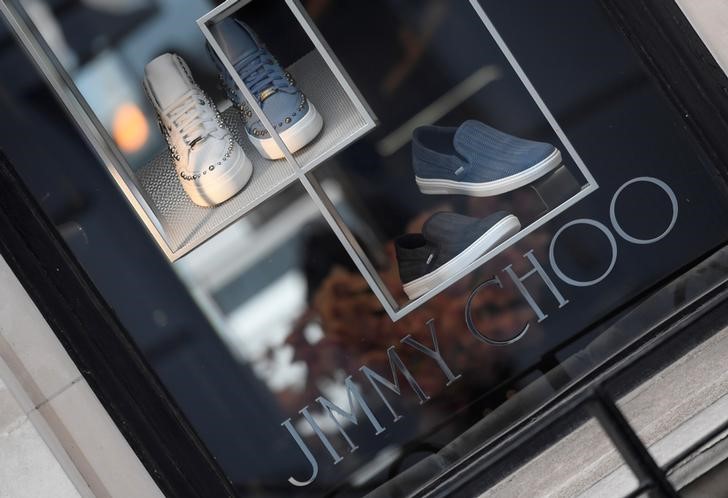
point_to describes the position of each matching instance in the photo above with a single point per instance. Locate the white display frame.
(328, 211)
(124, 177)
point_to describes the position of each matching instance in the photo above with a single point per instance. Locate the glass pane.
(323, 328)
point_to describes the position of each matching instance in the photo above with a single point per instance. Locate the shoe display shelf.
(551, 195)
(179, 226)
(185, 225)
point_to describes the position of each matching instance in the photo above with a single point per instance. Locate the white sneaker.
(211, 166)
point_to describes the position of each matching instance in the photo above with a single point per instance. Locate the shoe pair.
(472, 159)
(211, 165)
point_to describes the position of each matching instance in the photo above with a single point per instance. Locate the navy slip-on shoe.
(448, 244)
(293, 117)
(478, 160)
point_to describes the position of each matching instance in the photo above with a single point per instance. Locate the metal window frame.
(148, 416)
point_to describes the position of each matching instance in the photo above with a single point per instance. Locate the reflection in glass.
(288, 315)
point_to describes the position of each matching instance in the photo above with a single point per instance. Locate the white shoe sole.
(499, 232)
(217, 186)
(295, 137)
(496, 187)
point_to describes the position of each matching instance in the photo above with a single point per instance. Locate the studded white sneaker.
(211, 166)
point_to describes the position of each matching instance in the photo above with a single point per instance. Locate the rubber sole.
(496, 187)
(499, 232)
(296, 137)
(217, 186)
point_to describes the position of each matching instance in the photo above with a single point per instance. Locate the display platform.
(187, 225)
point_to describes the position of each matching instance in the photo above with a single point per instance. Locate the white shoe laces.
(192, 118)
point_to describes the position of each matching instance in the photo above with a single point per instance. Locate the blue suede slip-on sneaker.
(477, 160)
(293, 117)
(448, 244)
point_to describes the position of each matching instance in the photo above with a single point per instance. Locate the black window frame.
(147, 415)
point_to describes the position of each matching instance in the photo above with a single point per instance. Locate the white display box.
(155, 192)
(181, 225)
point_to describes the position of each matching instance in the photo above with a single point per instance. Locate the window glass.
(357, 240)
